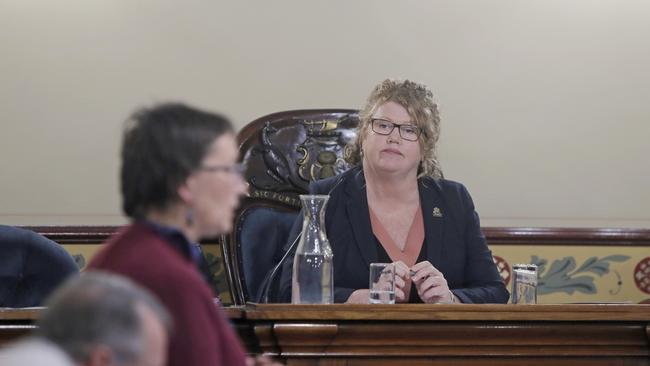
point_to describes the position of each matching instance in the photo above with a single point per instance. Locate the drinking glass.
(382, 283)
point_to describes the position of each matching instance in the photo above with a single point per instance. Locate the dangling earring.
(189, 217)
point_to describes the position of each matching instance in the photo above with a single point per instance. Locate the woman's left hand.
(431, 284)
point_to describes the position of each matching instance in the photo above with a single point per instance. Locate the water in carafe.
(313, 281)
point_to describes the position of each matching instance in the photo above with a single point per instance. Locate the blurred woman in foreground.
(180, 183)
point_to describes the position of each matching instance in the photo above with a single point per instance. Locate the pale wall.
(545, 104)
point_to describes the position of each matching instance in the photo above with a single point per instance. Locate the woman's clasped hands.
(430, 283)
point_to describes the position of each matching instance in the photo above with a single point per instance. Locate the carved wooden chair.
(283, 152)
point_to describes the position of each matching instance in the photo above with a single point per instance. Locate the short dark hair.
(98, 308)
(161, 147)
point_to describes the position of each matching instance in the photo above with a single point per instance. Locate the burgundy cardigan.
(201, 333)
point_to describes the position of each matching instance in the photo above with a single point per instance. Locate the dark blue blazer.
(31, 267)
(454, 243)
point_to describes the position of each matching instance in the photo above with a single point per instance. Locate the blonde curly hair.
(417, 99)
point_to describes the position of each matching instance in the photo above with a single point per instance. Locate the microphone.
(268, 280)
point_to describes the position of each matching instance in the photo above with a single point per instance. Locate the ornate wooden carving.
(284, 152)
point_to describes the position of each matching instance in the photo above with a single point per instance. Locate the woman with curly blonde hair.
(421, 106)
(395, 207)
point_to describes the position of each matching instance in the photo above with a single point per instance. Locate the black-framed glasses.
(237, 169)
(384, 127)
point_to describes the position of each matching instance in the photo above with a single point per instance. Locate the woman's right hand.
(402, 280)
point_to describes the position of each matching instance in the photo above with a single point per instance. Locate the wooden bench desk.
(419, 334)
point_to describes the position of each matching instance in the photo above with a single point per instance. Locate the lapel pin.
(437, 212)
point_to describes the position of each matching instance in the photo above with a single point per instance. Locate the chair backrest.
(31, 266)
(283, 153)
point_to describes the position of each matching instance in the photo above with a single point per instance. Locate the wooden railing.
(620, 255)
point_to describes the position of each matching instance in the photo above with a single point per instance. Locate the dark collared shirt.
(178, 241)
(190, 250)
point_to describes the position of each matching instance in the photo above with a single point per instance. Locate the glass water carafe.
(313, 281)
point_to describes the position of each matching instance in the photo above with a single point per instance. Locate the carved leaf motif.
(561, 267)
(561, 276)
(616, 258)
(584, 284)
